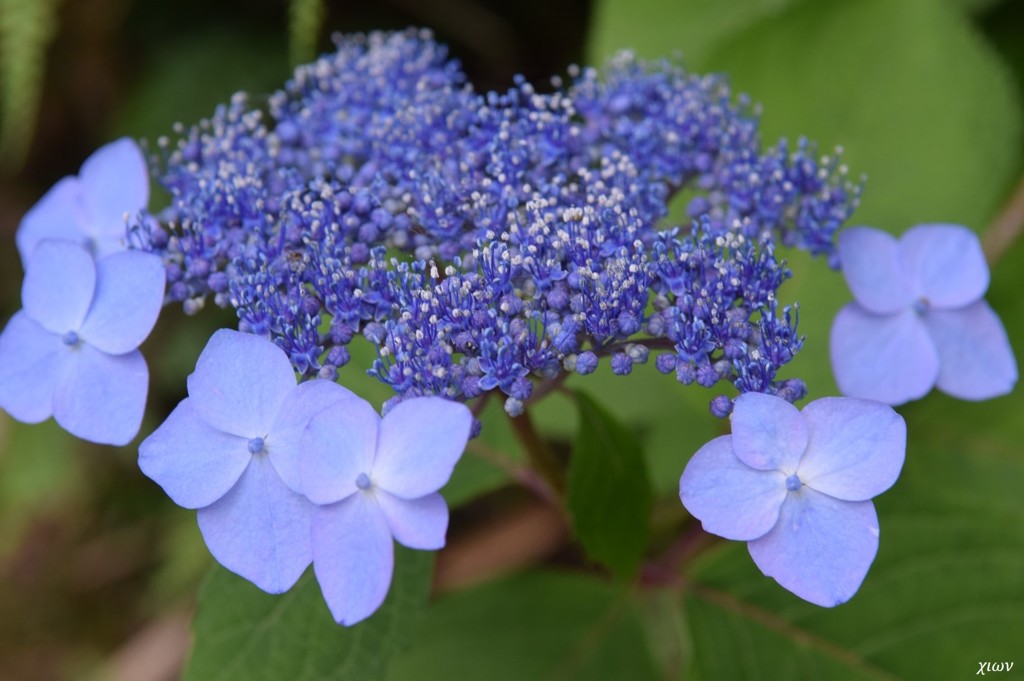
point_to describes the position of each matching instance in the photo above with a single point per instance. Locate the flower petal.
(873, 270)
(128, 298)
(60, 279)
(768, 433)
(353, 557)
(58, 215)
(240, 382)
(945, 264)
(284, 443)
(891, 359)
(420, 441)
(195, 463)
(821, 548)
(260, 529)
(115, 182)
(856, 448)
(101, 397)
(730, 498)
(30, 361)
(417, 523)
(337, 446)
(976, 360)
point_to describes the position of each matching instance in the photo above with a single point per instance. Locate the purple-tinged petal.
(768, 433)
(976, 360)
(284, 440)
(59, 283)
(946, 264)
(192, 461)
(260, 529)
(30, 362)
(337, 447)
(856, 448)
(101, 397)
(730, 498)
(821, 548)
(420, 441)
(417, 523)
(891, 359)
(58, 215)
(240, 382)
(353, 557)
(874, 271)
(115, 182)
(128, 298)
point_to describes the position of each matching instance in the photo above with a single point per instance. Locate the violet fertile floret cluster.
(487, 241)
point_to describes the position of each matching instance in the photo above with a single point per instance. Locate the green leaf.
(26, 29)
(536, 626)
(879, 77)
(655, 29)
(244, 633)
(609, 498)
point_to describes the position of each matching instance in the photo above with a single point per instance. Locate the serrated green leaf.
(534, 626)
(244, 633)
(608, 495)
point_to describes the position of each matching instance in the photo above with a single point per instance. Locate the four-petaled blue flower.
(90, 208)
(71, 352)
(231, 450)
(375, 479)
(919, 319)
(797, 486)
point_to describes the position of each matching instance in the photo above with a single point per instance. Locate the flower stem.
(1007, 226)
(542, 458)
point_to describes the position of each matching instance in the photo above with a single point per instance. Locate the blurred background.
(98, 569)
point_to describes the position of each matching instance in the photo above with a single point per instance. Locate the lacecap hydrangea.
(486, 244)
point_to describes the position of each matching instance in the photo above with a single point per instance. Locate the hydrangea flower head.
(377, 479)
(918, 319)
(797, 485)
(231, 450)
(71, 352)
(90, 208)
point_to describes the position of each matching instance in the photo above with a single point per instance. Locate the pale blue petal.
(821, 548)
(353, 557)
(58, 215)
(128, 298)
(891, 359)
(421, 439)
(302, 404)
(30, 362)
(101, 397)
(337, 447)
(873, 269)
(946, 264)
(192, 461)
(115, 182)
(856, 447)
(240, 382)
(59, 283)
(730, 498)
(260, 529)
(417, 523)
(976, 361)
(768, 432)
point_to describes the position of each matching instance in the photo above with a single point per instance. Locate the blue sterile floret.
(484, 241)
